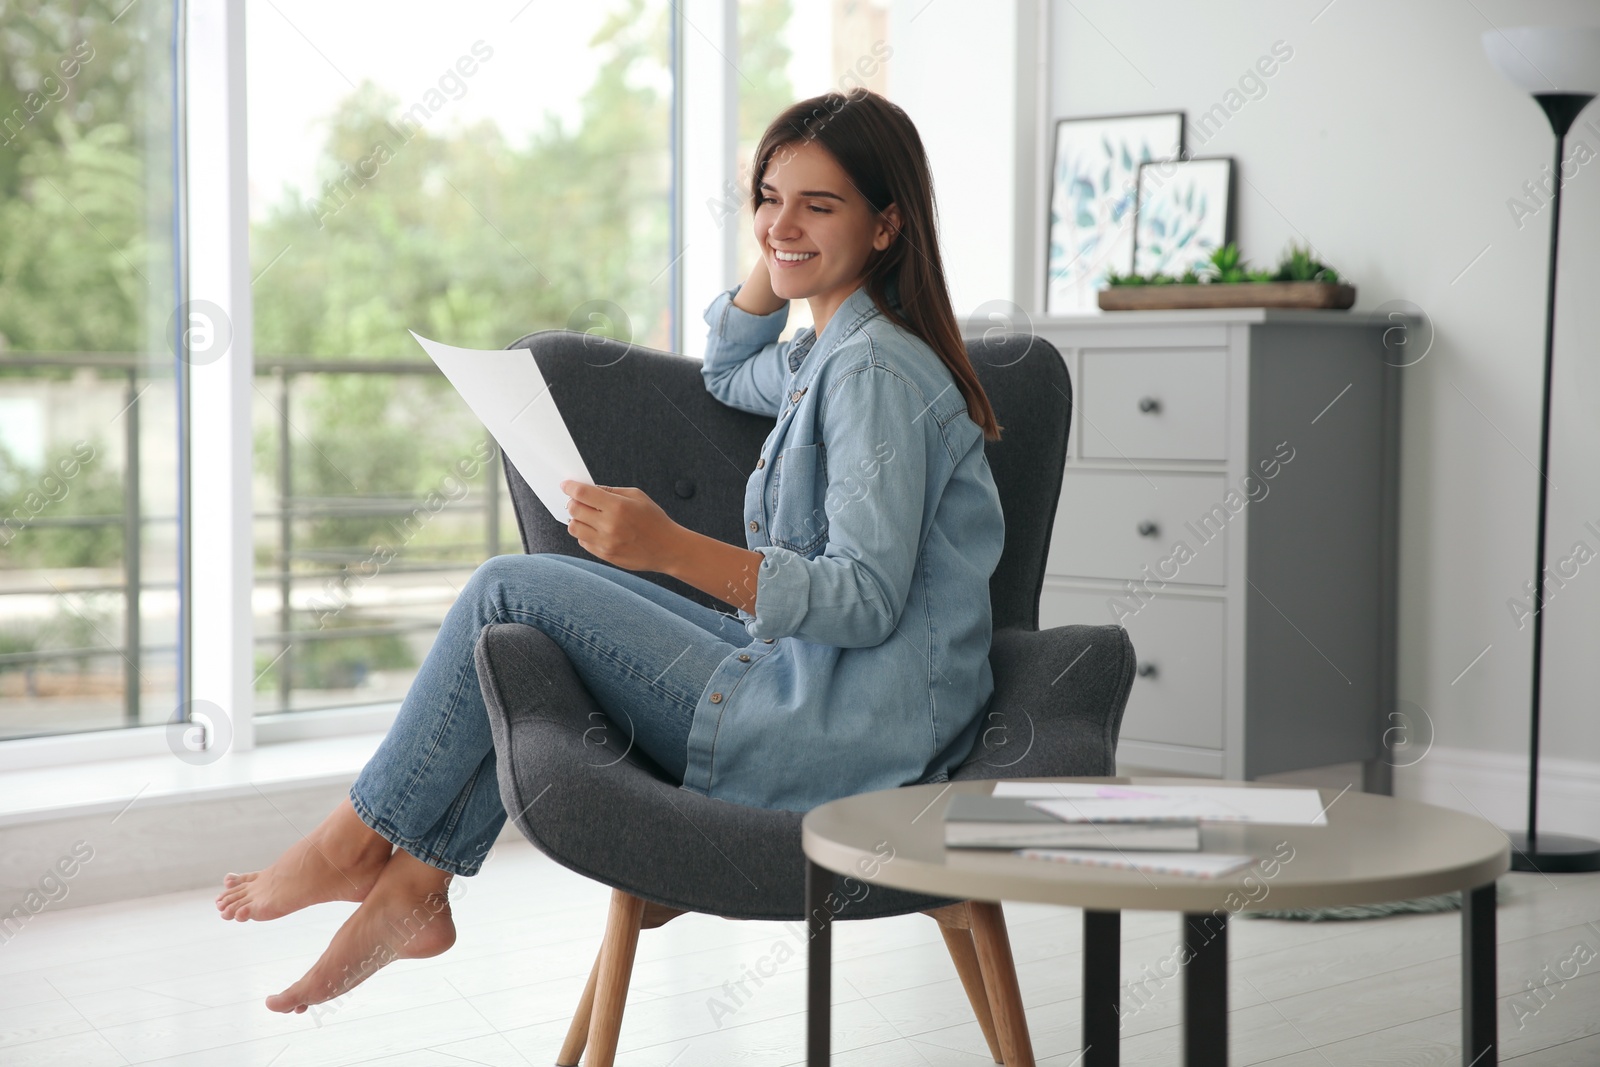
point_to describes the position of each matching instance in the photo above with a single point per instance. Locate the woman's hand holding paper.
(621, 525)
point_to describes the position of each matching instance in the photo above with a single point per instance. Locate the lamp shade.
(1547, 59)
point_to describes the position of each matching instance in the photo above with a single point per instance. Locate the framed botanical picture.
(1093, 185)
(1184, 213)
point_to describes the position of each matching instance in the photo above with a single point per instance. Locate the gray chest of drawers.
(1231, 498)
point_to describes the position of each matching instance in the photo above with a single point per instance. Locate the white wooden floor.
(164, 980)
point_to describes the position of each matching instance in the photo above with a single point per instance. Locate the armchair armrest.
(1057, 705)
(574, 787)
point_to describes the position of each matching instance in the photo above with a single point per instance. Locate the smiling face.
(815, 230)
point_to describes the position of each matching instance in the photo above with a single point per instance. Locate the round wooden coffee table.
(1373, 849)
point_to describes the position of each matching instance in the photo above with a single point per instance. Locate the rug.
(1420, 905)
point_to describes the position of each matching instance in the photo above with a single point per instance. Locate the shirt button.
(754, 525)
(762, 462)
(744, 657)
(716, 698)
(794, 397)
(768, 640)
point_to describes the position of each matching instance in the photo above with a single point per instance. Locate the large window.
(88, 429)
(504, 171)
(511, 168)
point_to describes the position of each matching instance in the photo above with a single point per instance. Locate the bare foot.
(339, 860)
(406, 916)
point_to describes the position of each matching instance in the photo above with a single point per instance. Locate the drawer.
(1154, 404)
(1114, 524)
(1177, 697)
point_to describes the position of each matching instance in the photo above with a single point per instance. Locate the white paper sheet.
(1084, 802)
(1190, 864)
(504, 388)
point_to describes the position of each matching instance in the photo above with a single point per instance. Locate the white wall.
(1389, 142)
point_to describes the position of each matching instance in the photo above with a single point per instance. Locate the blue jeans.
(645, 653)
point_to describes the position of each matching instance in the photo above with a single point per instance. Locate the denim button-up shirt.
(879, 522)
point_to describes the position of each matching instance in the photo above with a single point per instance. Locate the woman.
(858, 658)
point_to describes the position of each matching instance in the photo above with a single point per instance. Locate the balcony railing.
(289, 508)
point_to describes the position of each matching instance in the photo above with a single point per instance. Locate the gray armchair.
(573, 787)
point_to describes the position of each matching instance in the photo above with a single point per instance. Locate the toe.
(287, 1001)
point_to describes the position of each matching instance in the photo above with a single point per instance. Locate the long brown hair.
(877, 146)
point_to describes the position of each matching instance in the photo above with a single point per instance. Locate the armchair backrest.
(643, 417)
(1027, 383)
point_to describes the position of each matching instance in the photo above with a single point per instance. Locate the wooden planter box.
(1227, 295)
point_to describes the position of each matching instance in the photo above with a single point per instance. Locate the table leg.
(1478, 1023)
(1102, 987)
(1205, 989)
(819, 962)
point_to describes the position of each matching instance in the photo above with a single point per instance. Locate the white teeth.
(792, 257)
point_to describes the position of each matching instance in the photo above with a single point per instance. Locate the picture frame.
(1184, 212)
(1093, 195)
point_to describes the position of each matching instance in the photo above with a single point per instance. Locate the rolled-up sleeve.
(852, 595)
(744, 365)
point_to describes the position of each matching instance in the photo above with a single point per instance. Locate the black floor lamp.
(1560, 66)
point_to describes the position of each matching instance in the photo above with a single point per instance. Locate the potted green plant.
(1226, 280)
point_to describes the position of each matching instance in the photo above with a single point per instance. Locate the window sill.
(111, 786)
(101, 746)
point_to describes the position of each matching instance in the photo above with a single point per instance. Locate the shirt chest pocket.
(797, 519)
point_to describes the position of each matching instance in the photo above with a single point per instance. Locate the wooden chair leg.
(1000, 979)
(578, 1031)
(614, 968)
(650, 916)
(657, 915)
(957, 931)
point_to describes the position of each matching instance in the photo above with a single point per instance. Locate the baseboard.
(1495, 785)
(190, 843)
(158, 848)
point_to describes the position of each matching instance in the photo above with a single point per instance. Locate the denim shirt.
(879, 523)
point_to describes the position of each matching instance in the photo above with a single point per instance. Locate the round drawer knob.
(1148, 529)
(1149, 405)
(1147, 669)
